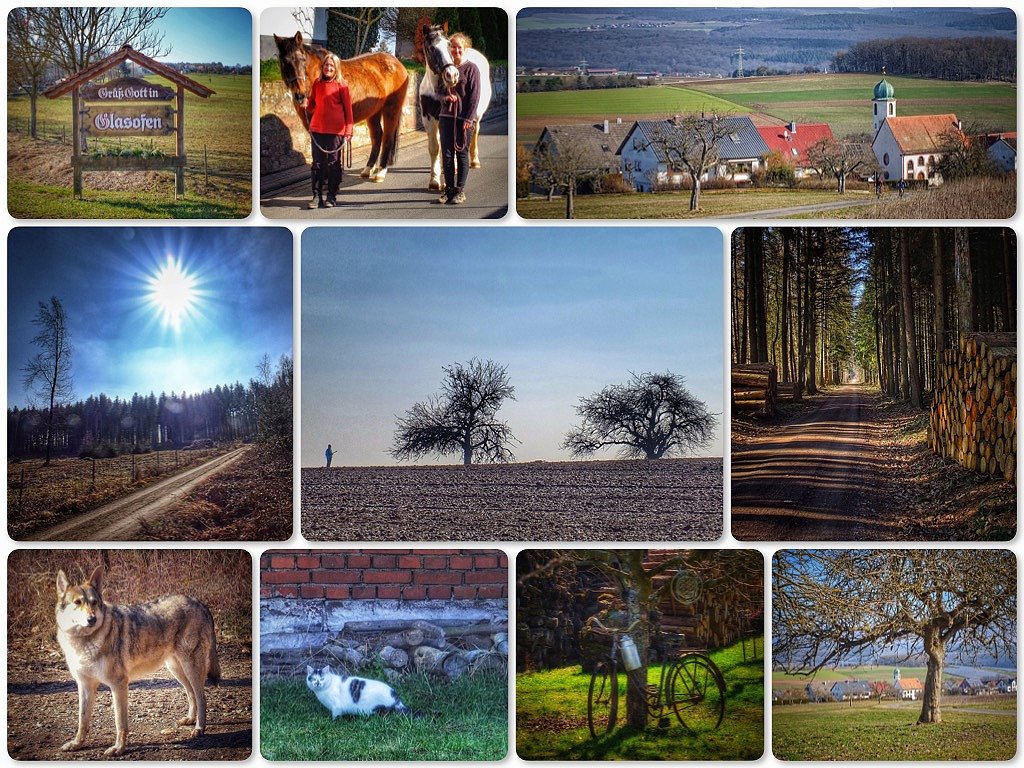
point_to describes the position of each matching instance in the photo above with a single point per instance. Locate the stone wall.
(323, 604)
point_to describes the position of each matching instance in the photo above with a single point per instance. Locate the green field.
(844, 101)
(218, 139)
(535, 110)
(985, 730)
(551, 719)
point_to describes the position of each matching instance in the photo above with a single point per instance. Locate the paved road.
(404, 193)
(815, 478)
(121, 520)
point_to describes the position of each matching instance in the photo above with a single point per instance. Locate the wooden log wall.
(754, 387)
(973, 417)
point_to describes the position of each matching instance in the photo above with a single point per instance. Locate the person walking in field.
(458, 113)
(329, 454)
(878, 186)
(329, 109)
(901, 187)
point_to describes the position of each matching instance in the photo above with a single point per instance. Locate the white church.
(908, 148)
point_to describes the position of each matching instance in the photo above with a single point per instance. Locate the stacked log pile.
(973, 417)
(754, 386)
(403, 647)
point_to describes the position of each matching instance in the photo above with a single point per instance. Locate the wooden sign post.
(127, 106)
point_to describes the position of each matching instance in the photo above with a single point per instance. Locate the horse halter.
(439, 58)
(297, 82)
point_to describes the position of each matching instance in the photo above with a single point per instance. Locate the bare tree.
(274, 404)
(840, 158)
(689, 143)
(80, 36)
(462, 418)
(48, 374)
(650, 416)
(28, 56)
(831, 605)
(563, 165)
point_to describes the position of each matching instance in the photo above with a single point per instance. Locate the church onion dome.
(884, 90)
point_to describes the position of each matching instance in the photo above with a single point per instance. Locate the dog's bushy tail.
(213, 667)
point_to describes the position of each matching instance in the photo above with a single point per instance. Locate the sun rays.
(174, 293)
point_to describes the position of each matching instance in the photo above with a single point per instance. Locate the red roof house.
(792, 141)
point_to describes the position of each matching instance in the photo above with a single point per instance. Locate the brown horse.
(377, 82)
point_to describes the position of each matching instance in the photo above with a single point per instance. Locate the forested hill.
(704, 40)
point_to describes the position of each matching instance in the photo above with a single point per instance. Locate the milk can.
(630, 654)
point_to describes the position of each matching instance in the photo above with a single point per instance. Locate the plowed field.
(666, 500)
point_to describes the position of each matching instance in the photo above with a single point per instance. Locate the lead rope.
(455, 109)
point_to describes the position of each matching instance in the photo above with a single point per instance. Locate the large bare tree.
(48, 373)
(80, 36)
(650, 416)
(563, 164)
(839, 159)
(462, 419)
(834, 605)
(689, 143)
(28, 57)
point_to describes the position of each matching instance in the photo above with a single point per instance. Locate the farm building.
(1001, 149)
(909, 688)
(1007, 685)
(909, 148)
(792, 142)
(645, 164)
(598, 142)
(851, 690)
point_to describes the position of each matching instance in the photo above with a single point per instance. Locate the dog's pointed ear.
(96, 580)
(62, 583)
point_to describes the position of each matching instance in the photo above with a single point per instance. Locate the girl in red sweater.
(329, 109)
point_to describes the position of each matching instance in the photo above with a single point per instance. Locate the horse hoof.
(434, 185)
(366, 173)
(378, 179)
(475, 164)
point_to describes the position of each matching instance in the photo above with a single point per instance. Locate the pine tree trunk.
(964, 281)
(906, 290)
(939, 292)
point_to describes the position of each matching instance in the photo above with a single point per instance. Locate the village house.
(851, 690)
(645, 164)
(909, 148)
(909, 689)
(598, 142)
(1001, 149)
(792, 141)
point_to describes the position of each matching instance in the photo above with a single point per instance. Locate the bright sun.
(172, 292)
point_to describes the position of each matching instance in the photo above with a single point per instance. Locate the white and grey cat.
(347, 695)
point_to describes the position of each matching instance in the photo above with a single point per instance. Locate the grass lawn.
(844, 101)
(888, 731)
(466, 719)
(676, 205)
(218, 133)
(551, 719)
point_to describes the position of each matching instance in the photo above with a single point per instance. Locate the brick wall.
(384, 574)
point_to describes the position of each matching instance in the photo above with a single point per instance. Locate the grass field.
(218, 138)
(535, 110)
(844, 101)
(675, 205)
(551, 719)
(466, 719)
(985, 730)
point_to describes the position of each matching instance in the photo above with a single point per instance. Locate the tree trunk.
(32, 99)
(636, 600)
(930, 705)
(784, 302)
(570, 200)
(906, 289)
(695, 193)
(964, 281)
(939, 293)
(467, 455)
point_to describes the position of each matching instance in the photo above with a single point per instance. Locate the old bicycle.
(690, 686)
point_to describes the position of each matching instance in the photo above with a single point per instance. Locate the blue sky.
(567, 310)
(241, 305)
(208, 34)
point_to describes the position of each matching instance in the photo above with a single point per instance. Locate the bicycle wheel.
(697, 693)
(603, 700)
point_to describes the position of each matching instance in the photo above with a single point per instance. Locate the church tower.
(896, 678)
(884, 101)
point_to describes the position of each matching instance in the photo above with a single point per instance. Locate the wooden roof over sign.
(124, 53)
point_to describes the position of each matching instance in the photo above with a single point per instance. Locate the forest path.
(122, 520)
(815, 478)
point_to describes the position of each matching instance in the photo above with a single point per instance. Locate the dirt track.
(120, 520)
(815, 478)
(42, 712)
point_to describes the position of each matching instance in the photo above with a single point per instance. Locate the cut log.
(394, 658)
(449, 664)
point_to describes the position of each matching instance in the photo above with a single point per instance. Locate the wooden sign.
(126, 89)
(121, 120)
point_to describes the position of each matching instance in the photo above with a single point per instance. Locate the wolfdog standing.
(115, 644)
